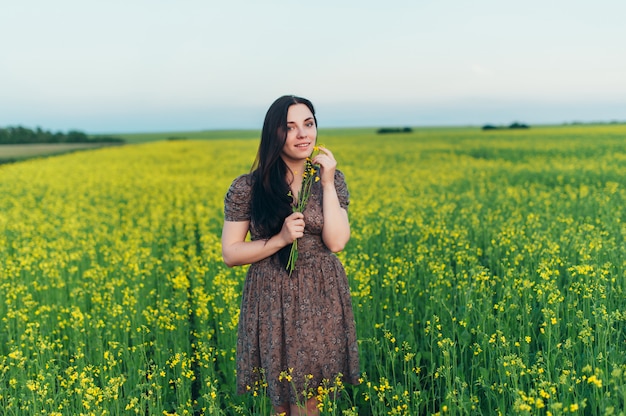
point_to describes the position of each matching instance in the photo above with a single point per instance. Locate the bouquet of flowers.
(309, 177)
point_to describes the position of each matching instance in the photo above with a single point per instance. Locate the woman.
(296, 330)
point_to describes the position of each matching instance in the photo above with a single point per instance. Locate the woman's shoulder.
(342, 189)
(238, 199)
(241, 188)
(339, 176)
(243, 181)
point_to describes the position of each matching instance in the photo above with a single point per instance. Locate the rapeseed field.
(487, 273)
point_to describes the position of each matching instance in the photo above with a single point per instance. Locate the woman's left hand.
(327, 163)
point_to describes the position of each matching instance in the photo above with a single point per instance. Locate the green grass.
(487, 269)
(17, 152)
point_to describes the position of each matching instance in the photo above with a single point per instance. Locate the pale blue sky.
(158, 65)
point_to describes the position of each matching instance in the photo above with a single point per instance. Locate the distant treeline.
(23, 135)
(387, 130)
(515, 125)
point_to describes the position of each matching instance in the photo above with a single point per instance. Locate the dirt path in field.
(11, 152)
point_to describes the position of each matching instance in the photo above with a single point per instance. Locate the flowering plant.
(309, 177)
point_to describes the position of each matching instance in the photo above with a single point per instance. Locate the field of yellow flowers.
(487, 273)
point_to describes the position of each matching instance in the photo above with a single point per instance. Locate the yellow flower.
(595, 380)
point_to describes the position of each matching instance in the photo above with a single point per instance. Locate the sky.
(122, 66)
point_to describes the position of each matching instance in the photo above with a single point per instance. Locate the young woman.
(296, 330)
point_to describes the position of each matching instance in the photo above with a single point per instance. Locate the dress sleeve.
(342, 189)
(237, 203)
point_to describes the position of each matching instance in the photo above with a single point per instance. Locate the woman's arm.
(336, 230)
(236, 251)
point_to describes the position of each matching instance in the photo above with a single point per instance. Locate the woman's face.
(301, 133)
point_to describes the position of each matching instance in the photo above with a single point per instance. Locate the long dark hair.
(271, 203)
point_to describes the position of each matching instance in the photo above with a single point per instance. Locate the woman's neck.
(295, 168)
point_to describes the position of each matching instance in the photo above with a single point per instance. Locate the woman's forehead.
(298, 112)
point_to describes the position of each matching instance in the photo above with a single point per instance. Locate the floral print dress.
(295, 332)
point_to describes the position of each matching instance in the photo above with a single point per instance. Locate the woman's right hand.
(293, 228)
(237, 251)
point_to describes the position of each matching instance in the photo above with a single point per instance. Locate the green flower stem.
(309, 176)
